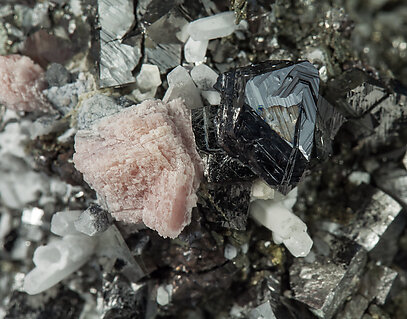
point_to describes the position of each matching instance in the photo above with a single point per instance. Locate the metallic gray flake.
(371, 223)
(325, 284)
(117, 59)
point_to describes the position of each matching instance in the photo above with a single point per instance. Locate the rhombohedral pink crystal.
(143, 163)
(21, 84)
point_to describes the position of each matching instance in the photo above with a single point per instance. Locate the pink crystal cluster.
(143, 162)
(21, 84)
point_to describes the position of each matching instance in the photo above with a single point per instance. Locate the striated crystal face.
(267, 118)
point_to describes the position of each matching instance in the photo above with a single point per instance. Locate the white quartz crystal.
(63, 223)
(180, 85)
(57, 260)
(216, 26)
(148, 78)
(19, 185)
(147, 82)
(358, 178)
(60, 257)
(195, 51)
(12, 140)
(204, 77)
(230, 252)
(32, 216)
(164, 295)
(261, 190)
(276, 214)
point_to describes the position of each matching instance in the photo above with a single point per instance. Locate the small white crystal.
(62, 223)
(195, 51)
(57, 260)
(358, 178)
(12, 140)
(261, 190)
(181, 86)
(164, 295)
(263, 311)
(230, 252)
(66, 97)
(147, 82)
(287, 228)
(148, 78)
(60, 257)
(19, 185)
(245, 248)
(204, 77)
(216, 26)
(32, 216)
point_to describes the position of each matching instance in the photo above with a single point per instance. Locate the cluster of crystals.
(223, 263)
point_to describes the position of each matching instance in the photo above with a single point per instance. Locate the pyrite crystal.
(267, 118)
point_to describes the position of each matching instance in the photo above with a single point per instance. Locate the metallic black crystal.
(267, 118)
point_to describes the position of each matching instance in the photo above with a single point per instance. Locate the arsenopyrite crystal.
(325, 284)
(117, 59)
(267, 118)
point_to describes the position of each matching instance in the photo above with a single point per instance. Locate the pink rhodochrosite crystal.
(143, 162)
(21, 84)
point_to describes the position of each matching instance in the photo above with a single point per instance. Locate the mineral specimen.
(216, 26)
(61, 257)
(376, 224)
(180, 85)
(218, 166)
(205, 78)
(287, 228)
(195, 51)
(260, 190)
(147, 82)
(325, 284)
(21, 84)
(142, 162)
(93, 221)
(117, 59)
(267, 118)
(223, 264)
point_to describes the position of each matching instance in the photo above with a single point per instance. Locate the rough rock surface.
(21, 84)
(143, 163)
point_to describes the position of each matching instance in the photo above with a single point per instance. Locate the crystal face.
(267, 118)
